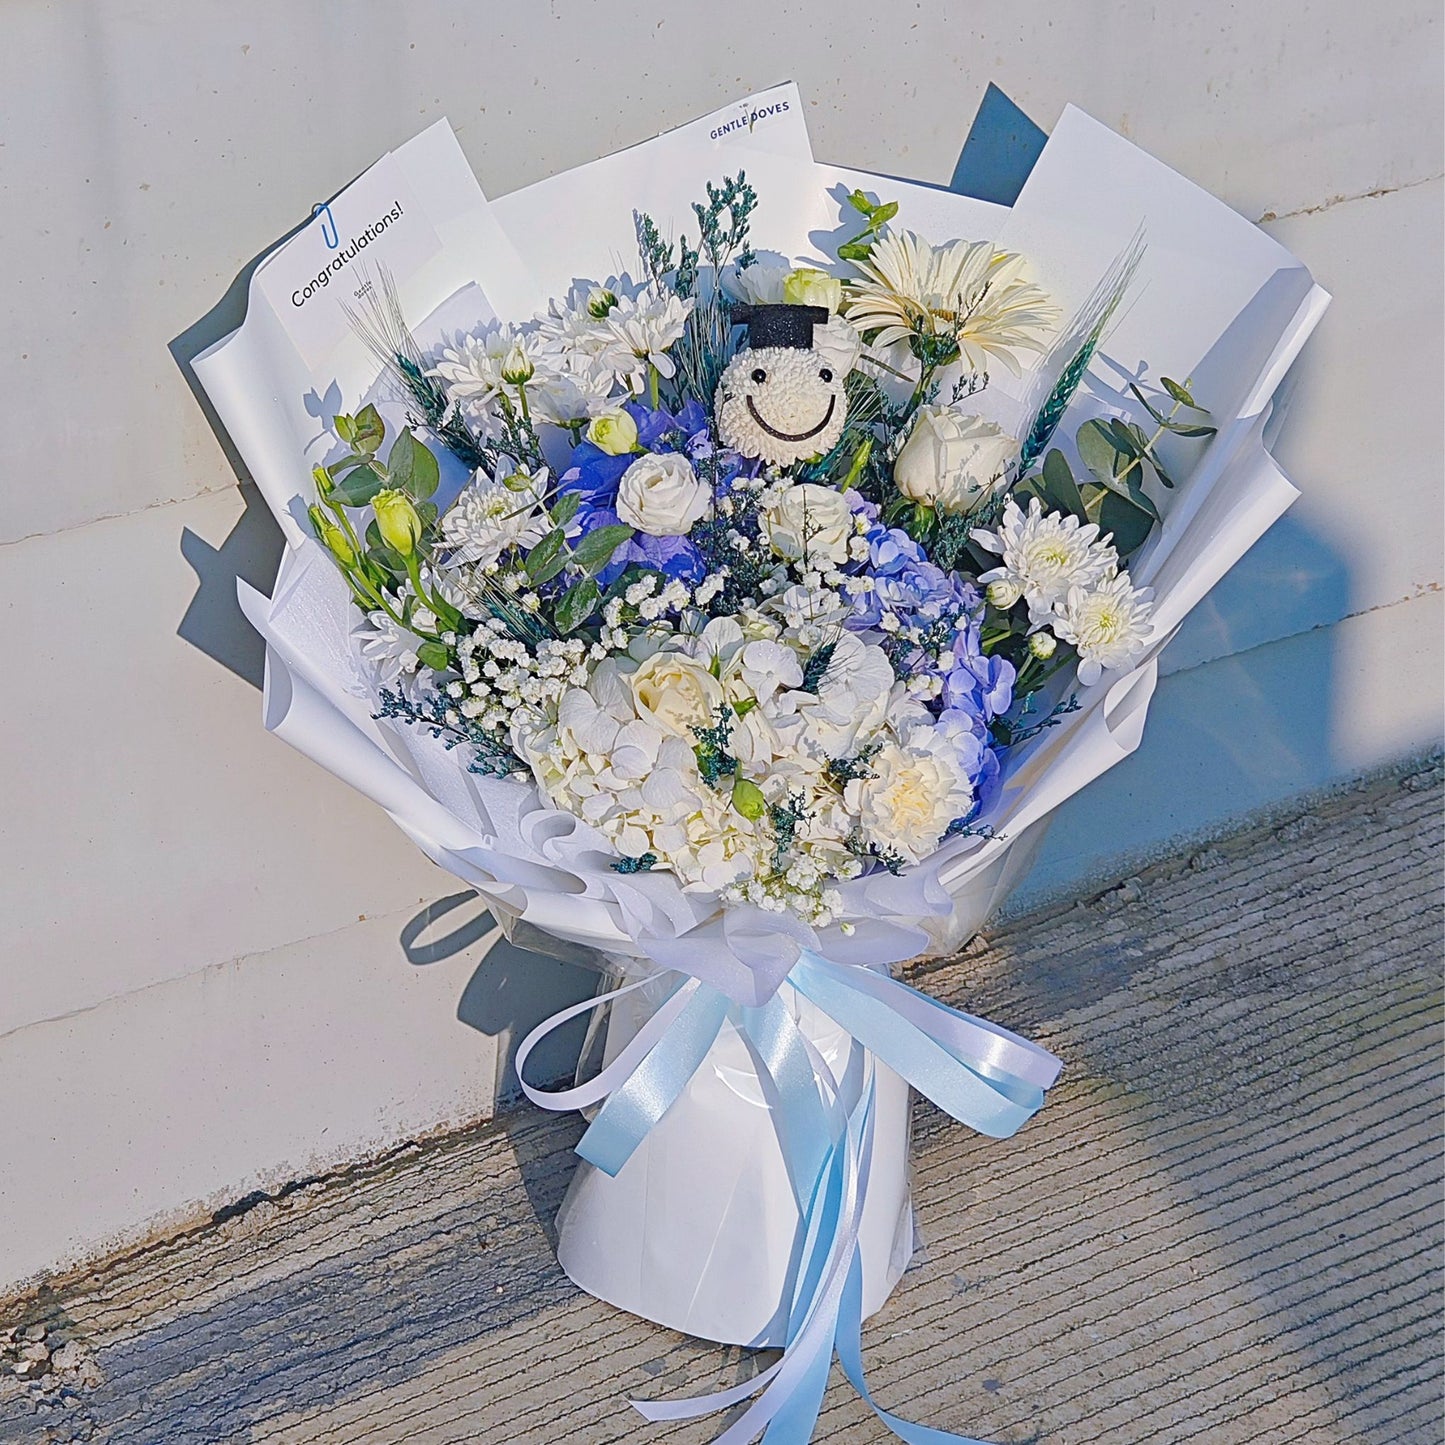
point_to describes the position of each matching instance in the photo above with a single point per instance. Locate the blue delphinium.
(595, 474)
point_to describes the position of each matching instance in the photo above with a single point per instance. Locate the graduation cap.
(780, 324)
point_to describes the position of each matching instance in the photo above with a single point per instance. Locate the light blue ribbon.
(978, 1073)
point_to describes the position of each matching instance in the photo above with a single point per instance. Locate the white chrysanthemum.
(492, 514)
(1109, 625)
(638, 332)
(1044, 556)
(916, 791)
(965, 290)
(563, 397)
(388, 647)
(472, 369)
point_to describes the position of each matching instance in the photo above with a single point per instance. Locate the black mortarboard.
(780, 324)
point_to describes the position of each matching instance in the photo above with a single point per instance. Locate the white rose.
(952, 461)
(661, 495)
(676, 694)
(839, 344)
(810, 521)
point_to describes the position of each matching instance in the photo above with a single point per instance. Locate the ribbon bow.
(978, 1073)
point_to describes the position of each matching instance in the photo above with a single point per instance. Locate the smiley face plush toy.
(779, 399)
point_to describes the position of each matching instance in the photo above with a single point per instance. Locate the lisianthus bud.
(748, 799)
(323, 481)
(614, 432)
(335, 540)
(807, 286)
(517, 368)
(1003, 594)
(397, 521)
(1042, 644)
(600, 301)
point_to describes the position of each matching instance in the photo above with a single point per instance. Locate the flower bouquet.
(740, 610)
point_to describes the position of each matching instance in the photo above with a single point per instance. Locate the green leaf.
(546, 559)
(855, 250)
(1125, 439)
(860, 202)
(882, 214)
(1098, 450)
(434, 655)
(595, 550)
(1117, 515)
(345, 427)
(1180, 430)
(427, 511)
(1144, 402)
(1059, 484)
(565, 508)
(1110, 455)
(358, 488)
(370, 429)
(1179, 393)
(412, 466)
(347, 464)
(577, 604)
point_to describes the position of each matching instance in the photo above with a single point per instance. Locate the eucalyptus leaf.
(546, 559)
(413, 468)
(565, 508)
(1118, 516)
(1179, 393)
(370, 429)
(358, 488)
(576, 604)
(595, 550)
(346, 464)
(1180, 430)
(1099, 452)
(1059, 484)
(1144, 402)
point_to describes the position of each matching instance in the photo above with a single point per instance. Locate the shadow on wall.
(213, 622)
(512, 988)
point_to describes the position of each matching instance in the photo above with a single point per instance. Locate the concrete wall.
(220, 971)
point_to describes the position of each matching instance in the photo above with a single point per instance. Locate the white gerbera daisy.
(964, 290)
(1109, 625)
(492, 514)
(640, 331)
(1045, 555)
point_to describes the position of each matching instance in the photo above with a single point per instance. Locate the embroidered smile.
(793, 436)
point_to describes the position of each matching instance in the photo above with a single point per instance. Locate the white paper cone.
(699, 1231)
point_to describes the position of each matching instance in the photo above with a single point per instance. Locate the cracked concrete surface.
(1225, 1226)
